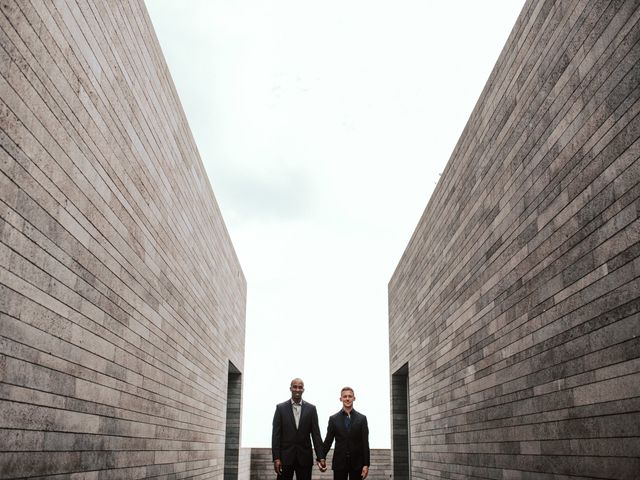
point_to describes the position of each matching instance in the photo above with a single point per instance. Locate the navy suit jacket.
(353, 443)
(291, 444)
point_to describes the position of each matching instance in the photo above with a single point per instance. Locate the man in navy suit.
(295, 424)
(351, 457)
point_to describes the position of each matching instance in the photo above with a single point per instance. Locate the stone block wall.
(262, 466)
(122, 302)
(244, 464)
(513, 313)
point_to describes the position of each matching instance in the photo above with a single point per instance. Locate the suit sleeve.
(366, 455)
(276, 435)
(316, 437)
(328, 441)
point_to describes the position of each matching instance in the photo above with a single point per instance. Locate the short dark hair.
(347, 388)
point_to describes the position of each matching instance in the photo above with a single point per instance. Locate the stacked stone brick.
(514, 309)
(122, 302)
(262, 465)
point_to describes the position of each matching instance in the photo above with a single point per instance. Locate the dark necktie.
(347, 422)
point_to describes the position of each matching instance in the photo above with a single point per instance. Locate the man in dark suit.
(350, 429)
(295, 424)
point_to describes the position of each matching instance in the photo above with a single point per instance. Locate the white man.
(350, 430)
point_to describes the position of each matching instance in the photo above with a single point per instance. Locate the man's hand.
(365, 472)
(322, 465)
(277, 466)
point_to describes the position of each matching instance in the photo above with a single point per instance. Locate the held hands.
(277, 466)
(365, 472)
(322, 465)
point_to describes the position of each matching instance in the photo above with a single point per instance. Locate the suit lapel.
(303, 411)
(340, 424)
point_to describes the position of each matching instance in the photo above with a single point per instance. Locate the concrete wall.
(122, 302)
(514, 309)
(262, 466)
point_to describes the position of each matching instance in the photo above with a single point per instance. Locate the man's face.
(297, 389)
(347, 398)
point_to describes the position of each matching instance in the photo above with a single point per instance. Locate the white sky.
(323, 127)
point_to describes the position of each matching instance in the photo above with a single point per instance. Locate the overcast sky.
(323, 127)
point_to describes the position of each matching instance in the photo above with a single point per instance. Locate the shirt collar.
(294, 403)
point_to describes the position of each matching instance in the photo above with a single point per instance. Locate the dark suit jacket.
(291, 444)
(353, 443)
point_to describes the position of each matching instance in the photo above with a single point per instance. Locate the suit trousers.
(347, 474)
(302, 473)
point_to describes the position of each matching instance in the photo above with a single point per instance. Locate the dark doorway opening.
(232, 431)
(400, 423)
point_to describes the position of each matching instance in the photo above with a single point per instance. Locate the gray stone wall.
(122, 302)
(244, 464)
(515, 305)
(262, 466)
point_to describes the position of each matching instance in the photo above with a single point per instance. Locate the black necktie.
(347, 422)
